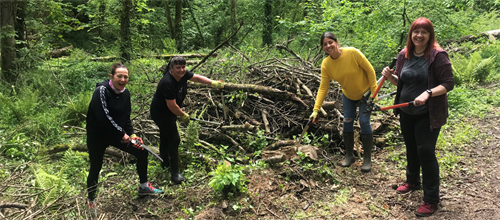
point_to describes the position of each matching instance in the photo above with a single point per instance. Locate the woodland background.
(54, 52)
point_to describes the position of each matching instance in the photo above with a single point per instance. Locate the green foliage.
(258, 141)
(19, 147)
(472, 70)
(228, 179)
(75, 112)
(16, 108)
(75, 167)
(238, 97)
(56, 183)
(492, 50)
(449, 161)
(472, 102)
(460, 134)
(310, 139)
(191, 135)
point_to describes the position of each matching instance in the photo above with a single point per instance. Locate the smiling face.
(178, 71)
(120, 79)
(330, 46)
(420, 38)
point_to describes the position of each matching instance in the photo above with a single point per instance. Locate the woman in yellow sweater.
(350, 68)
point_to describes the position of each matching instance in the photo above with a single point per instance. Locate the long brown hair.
(426, 24)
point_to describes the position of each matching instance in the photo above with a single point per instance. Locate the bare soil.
(469, 189)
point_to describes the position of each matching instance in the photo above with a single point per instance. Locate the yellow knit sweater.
(351, 70)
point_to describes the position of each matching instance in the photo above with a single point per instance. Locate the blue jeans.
(350, 113)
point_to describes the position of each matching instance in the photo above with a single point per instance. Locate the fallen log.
(279, 144)
(245, 127)
(284, 95)
(65, 51)
(473, 37)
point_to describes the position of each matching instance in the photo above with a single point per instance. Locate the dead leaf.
(304, 183)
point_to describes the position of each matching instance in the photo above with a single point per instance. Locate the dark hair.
(176, 60)
(426, 24)
(327, 35)
(116, 66)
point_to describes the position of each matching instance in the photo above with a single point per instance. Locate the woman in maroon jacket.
(423, 75)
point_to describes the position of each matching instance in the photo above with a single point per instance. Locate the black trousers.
(420, 143)
(97, 145)
(169, 138)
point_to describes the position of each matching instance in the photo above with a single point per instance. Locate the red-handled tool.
(394, 106)
(369, 102)
(394, 60)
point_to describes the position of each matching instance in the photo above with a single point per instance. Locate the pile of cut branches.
(274, 103)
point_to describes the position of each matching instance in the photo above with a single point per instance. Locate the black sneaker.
(147, 191)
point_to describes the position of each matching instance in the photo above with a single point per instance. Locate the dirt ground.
(323, 190)
(470, 191)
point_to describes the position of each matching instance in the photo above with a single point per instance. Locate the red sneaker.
(407, 187)
(426, 209)
(92, 208)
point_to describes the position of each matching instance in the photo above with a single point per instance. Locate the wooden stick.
(13, 205)
(266, 122)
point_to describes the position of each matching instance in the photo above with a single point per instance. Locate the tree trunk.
(267, 33)
(197, 26)
(233, 20)
(233, 14)
(126, 46)
(8, 43)
(20, 24)
(166, 5)
(102, 19)
(177, 25)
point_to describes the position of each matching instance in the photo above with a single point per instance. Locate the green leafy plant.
(18, 147)
(228, 179)
(56, 183)
(238, 97)
(75, 164)
(449, 160)
(258, 141)
(76, 111)
(471, 70)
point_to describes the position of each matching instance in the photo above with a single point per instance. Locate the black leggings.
(97, 145)
(169, 138)
(420, 143)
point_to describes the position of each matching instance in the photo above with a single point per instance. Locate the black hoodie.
(109, 113)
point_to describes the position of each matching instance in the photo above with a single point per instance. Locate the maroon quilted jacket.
(440, 73)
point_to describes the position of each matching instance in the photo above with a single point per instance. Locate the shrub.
(228, 178)
(472, 70)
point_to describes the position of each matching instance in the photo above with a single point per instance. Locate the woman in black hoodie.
(108, 123)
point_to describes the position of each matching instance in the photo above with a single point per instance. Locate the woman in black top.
(423, 75)
(108, 123)
(166, 106)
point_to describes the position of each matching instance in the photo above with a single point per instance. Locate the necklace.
(418, 54)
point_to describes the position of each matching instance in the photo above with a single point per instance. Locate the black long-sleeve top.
(109, 113)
